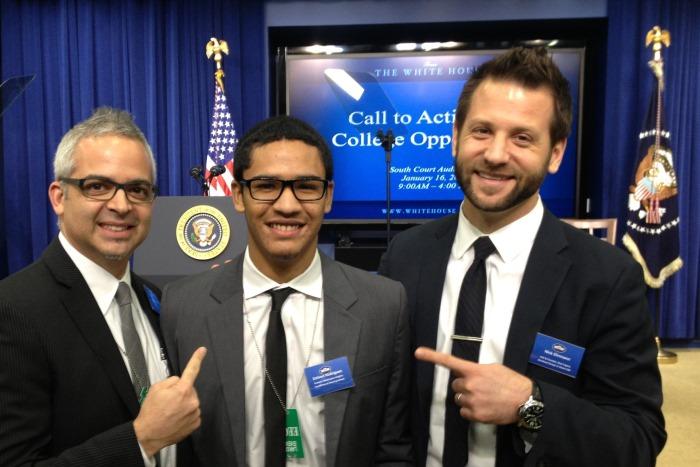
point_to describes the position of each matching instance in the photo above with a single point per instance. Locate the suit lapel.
(80, 304)
(544, 274)
(224, 316)
(341, 335)
(153, 314)
(433, 268)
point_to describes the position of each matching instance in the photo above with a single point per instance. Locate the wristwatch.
(530, 412)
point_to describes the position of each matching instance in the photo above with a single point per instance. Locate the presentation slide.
(349, 97)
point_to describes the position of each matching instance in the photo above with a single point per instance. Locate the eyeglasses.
(104, 189)
(270, 189)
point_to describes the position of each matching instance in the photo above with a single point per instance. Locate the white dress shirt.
(103, 286)
(504, 274)
(302, 318)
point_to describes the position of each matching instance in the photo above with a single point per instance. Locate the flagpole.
(215, 50)
(662, 355)
(658, 38)
(222, 133)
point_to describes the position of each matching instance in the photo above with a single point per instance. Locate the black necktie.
(275, 393)
(468, 322)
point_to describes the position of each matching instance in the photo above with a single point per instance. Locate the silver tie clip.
(457, 337)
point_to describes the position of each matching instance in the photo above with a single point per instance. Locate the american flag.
(222, 144)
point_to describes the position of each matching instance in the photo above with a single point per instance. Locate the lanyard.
(262, 358)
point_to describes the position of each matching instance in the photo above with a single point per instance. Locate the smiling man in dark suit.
(283, 316)
(81, 359)
(563, 365)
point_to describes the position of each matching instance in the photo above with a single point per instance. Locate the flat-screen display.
(350, 97)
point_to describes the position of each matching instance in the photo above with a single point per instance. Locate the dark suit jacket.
(364, 319)
(576, 288)
(65, 394)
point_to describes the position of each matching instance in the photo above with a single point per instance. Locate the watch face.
(533, 424)
(535, 410)
(531, 415)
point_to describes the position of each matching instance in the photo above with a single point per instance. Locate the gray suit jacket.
(365, 319)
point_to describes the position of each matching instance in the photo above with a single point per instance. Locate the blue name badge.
(330, 376)
(556, 355)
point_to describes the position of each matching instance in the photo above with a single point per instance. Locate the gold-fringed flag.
(652, 221)
(222, 134)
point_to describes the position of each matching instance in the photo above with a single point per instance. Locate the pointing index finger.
(189, 374)
(446, 360)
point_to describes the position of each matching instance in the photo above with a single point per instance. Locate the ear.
(237, 196)
(56, 197)
(557, 156)
(328, 203)
(455, 140)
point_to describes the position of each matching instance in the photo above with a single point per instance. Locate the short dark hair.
(531, 67)
(276, 129)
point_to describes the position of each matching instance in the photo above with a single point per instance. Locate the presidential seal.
(202, 232)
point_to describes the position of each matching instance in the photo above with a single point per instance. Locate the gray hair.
(103, 121)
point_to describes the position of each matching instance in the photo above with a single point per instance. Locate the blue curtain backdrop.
(148, 57)
(629, 84)
(144, 56)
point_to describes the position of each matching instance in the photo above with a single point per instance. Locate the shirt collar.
(510, 241)
(101, 283)
(309, 282)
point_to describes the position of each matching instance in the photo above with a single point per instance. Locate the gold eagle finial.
(659, 38)
(215, 48)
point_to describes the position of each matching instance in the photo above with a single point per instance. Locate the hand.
(489, 393)
(170, 411)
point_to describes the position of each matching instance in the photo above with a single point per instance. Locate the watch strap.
(527, 412)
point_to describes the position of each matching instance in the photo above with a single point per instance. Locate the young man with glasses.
(80, 348)
(310, 358)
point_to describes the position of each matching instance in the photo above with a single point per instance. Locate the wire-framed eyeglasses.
(270, 189)
(104, 189)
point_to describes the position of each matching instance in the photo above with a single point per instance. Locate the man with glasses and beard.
(545, 348)
(81, 358)
(309, 357)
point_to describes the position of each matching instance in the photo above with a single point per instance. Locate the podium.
(189, 234)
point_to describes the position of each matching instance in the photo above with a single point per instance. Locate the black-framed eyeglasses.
(270, 189)
(104, 189)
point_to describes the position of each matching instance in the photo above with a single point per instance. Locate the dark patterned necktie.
(132, 343)
(469, 321)
(275, 395)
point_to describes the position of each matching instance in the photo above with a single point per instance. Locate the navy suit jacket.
(576, 288)
(66, 398)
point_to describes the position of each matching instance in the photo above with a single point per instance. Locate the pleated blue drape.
(148, 57)
(629, 84)
(144, 56)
